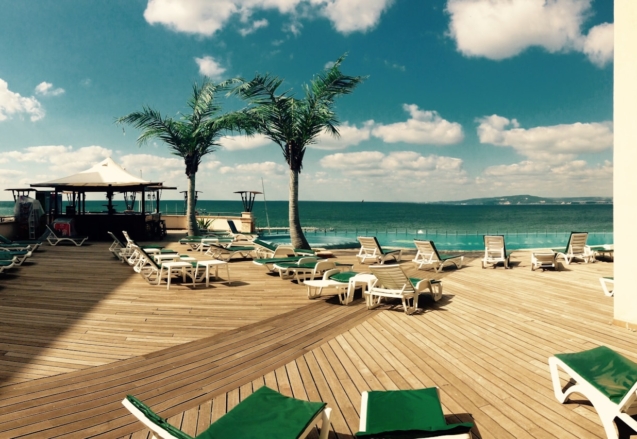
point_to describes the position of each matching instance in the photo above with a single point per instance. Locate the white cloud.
(12, 103)
(556, 143)
(349, 135)
(258, 24)
(252, 169)
(353, 15)
(422, 128)
(239, 143)
(59, 159)
(599, 44)
(46, 89)
(204, 17)
(553, 180)
(133, 163)
(209, 67)
(498, 29)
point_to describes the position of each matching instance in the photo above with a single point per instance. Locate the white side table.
(183, 266)
(365, 280)
(211, 263)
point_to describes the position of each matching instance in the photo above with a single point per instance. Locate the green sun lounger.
(606, 378)
(266, 414)
(427, 255)
(407, 414)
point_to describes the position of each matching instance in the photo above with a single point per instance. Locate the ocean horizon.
(333, 224)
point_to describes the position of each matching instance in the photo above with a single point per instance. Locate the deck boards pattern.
(485, 344)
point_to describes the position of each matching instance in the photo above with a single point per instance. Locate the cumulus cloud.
(563, 179)
(59, 158)
(353, 15)
(422, 128)
(205, 18)
(498, 29)
(397, 165)
(598, 45)
(258, 24)
(238, 143)
(349, 135)
(265, 168)
(556, 143)
(46, 89)
(209, 67)
(12, 103)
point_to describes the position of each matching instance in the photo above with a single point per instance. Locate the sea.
(331, 224)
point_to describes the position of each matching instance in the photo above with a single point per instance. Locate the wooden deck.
(80, 331)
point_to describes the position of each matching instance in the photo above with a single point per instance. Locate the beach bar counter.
(110, 178)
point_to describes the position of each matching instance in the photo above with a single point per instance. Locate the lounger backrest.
(51, 230)
(494, 245)
(128, 238)
(4, 240)
(308, 260)
(391, 277)
(264, 244)
(115, 239)
(148, 257)
(369, 243)
(428, 249)
(577, 242)
(233, 227)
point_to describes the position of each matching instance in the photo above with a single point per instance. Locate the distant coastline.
(527, 200)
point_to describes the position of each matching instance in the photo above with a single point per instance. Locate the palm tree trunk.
(296, 233)
(190, 207)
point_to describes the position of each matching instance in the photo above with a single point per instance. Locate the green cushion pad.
(265, 414)
(5, 262)
(265, 244)
(407, 414)
(343, 276)
(14, 252)
(156, 419)
(606, 370)
(296, 265)
(240, 249)
(276, 260)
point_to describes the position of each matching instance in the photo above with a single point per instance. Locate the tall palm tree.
(190, 137)
(295, 123)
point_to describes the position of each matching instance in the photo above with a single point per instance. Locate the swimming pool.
(329, 239)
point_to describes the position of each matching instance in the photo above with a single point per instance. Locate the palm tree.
(295, 123)
(190, 137)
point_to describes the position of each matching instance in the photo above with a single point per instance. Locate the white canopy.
(104, 174)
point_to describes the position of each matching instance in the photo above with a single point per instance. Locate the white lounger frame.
(606, 409)
(55, 239)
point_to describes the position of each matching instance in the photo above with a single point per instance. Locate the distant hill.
(529, 199)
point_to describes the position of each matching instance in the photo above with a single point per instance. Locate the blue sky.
(464, 99)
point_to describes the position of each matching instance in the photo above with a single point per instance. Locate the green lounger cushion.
(414, 281)
(265, 244)
(276, 260)
(13, 252)
(606, 370)
(407, 414)
(296, 265)
(304, 251)
(266, 414)
(343, 276)
(6, 262)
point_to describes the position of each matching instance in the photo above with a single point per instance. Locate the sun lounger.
(307, 268)
(216, 251)
(55, 239)
(264, 414)
(495, 251)
(427, 255)
(17, 256)
(344, 282)
(543, 260)
(268, 263)
(576, 248)
(30, 244)
(605, 282)
(5, 264)
(237, 235)
(393, 283)
(371, 249)
(407, 414)
(606, 378)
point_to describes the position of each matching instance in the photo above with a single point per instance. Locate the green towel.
(606, 370)
(407, 414)
(266, 414)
